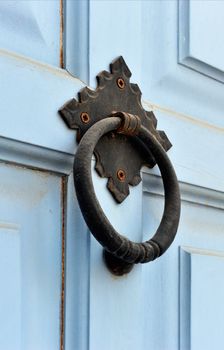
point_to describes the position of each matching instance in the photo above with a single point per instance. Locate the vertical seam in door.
(61, 34)
(62, 307)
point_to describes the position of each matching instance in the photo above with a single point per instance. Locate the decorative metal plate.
(118, 157)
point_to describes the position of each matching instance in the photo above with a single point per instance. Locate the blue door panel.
(30, 259)
(32, 28)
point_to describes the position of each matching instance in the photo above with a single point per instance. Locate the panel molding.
(31, 256)
(24, 154)
(164, 81)
(152, 184)
(26, 120)
(10, 301)
(25, 29)
(185, 57)
(32, 156)
(184, 299)
(77, 38)
(200, 295)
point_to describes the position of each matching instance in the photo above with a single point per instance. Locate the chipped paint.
(62, 308)
(61, 34)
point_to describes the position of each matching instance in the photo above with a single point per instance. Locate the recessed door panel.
(30, 259)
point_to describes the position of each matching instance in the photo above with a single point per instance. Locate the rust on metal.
(85, 118)
(120, 83)
(130, 124)
(61, 60)
(121, 175)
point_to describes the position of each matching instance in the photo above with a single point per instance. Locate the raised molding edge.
(32, 156)
(184, 56)
(24, 154)
(184, 298)
(185, 290)
(77, 38)
(152, 184)
(198, 251)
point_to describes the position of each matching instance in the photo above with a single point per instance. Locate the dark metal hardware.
(122, 141)
(121, 253)
(114, 93)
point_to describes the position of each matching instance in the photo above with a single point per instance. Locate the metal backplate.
(118, 157)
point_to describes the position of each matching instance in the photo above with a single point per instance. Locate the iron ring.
(121, 253)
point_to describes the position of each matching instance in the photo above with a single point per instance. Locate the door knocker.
(113, 125)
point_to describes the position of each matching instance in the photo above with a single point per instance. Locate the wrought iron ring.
(120, 253)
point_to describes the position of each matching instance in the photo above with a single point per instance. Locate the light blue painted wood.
(185, 300)
(50, 88)
(53, 84)
(116, 303)
(160, 284)
(115, 28)
(164, 81)
(32, 156)
(207, 18)
(10, 270)
(141, 310)
(201, 229)
(77, 275)
(30, 244)
(63, 139)
(31, 28)
(76, 46)
(198, 51)
(152, 57)
(189, 193)
(195, 148)
(207, 310)
(201, 294)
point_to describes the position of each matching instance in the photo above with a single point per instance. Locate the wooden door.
(56, 291)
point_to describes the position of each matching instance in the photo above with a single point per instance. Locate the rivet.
(121, 175)
(120, 83)
(85, 118)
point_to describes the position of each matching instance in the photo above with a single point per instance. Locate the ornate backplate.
(118, 157)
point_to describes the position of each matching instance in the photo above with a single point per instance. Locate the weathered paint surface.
(160, 305)
(30, 258)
